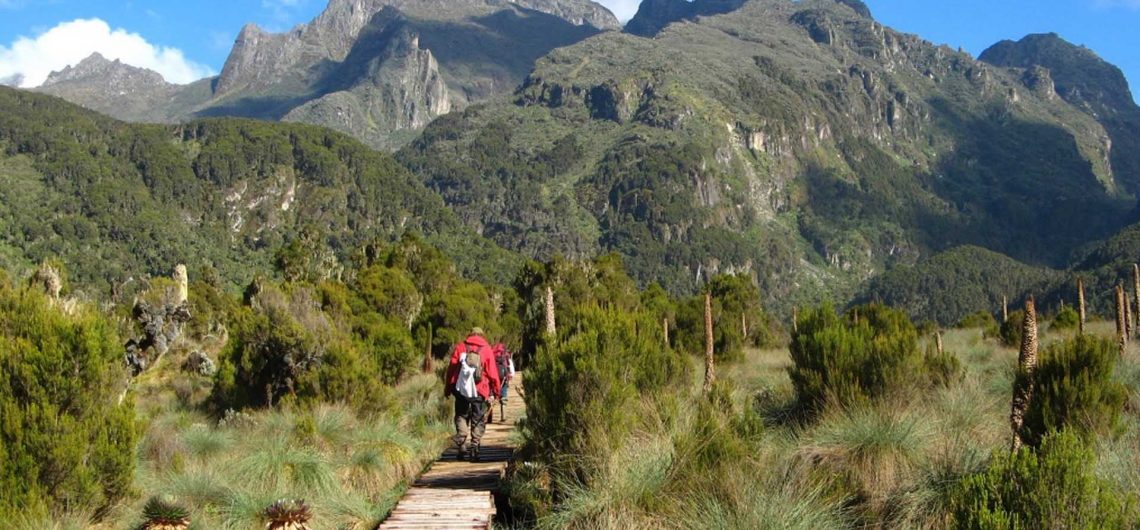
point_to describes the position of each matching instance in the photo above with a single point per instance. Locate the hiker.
(474, 380)
(506, 365)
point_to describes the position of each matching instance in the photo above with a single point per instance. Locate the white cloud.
(622, 9)
(70, 42)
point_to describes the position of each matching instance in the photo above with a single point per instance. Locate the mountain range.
(803, 143)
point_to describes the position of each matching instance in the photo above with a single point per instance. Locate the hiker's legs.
(461, 427)
(478, 422)
(503, 393)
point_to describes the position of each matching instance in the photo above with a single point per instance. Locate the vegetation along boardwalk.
(460, 495)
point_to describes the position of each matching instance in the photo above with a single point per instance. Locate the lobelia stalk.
(1026, 366)
(710, 369)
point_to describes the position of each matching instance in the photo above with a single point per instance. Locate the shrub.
(1010, 332)
(981, 320)
(838, 360)
(284, 347)
(734, 298)
(582, 389)
(1075, 389)
(1067, 318)
(943, 368)
(1049, 487)
(65, 441)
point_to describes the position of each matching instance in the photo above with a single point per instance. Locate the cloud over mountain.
(68, 43)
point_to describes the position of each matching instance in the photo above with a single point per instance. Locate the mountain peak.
(98, 68)
(1082, 78)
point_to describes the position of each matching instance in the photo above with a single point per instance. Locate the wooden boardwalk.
(454, 495)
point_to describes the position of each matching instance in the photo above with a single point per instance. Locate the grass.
(890, 465)
(350, 468)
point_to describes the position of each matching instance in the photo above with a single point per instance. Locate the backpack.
(503, 361)
(474, 360)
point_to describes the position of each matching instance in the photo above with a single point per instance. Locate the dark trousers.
(470, 419)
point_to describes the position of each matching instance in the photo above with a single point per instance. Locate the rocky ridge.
(376, 69)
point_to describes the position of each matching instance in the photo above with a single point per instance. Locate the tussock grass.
(350, 468)
(742, 461)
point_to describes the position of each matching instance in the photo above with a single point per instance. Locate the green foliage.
(1075, 389)
(735, 301)
(983, 320)
(1049, 487)
(867, 354)
(1066, 318)
(284, 347)
(1011, 330)
(581, 390)
(65, 441)
(957, 284)
(944, 369)
(116, 201)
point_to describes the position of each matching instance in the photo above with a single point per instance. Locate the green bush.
(837, 359)
(66, 441)
(284, 347)
(581, 391)
(1075, 389)
(943, 368)
(981, 320)
(1067, 318)
(1050, 487)
(734, 298)
(1010, 331)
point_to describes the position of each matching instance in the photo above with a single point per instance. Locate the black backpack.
(475, 361)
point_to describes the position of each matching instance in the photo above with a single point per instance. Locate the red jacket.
(490, 384)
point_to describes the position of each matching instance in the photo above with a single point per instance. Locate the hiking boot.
(461, 454)
(475, 454)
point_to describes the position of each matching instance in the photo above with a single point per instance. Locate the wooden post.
(710, 369)
(1136, 295)
(1081, 303)
(1004, 309)
(1121, 336)
(427, 366)
(1026, 366)
(551, 330)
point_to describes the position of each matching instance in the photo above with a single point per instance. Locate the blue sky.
(186, 40)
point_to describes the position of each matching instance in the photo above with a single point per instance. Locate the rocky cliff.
(376, 69)
(802, 142)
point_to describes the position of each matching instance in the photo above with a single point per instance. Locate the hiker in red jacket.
(475, 385)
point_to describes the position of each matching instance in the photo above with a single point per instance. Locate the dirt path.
(454, 495)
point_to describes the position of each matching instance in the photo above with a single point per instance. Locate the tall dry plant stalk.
(1004, 309)
(551, 330)
(182, 282)
(427, 366)
(710, 369)
(744, 325)
(938, 341)
(1121, 335)
(1026, 366)
(1081, 303)
(1127, 314)
(665, 326)
(795, 320)
(1136, 295)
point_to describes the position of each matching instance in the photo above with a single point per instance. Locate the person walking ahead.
(474, 380)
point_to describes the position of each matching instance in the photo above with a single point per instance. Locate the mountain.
(801, 142)
(1077, 75)
(116, 201)
(378, 70)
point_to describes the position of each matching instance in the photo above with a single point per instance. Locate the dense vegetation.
(68, 436)
(117, 201)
